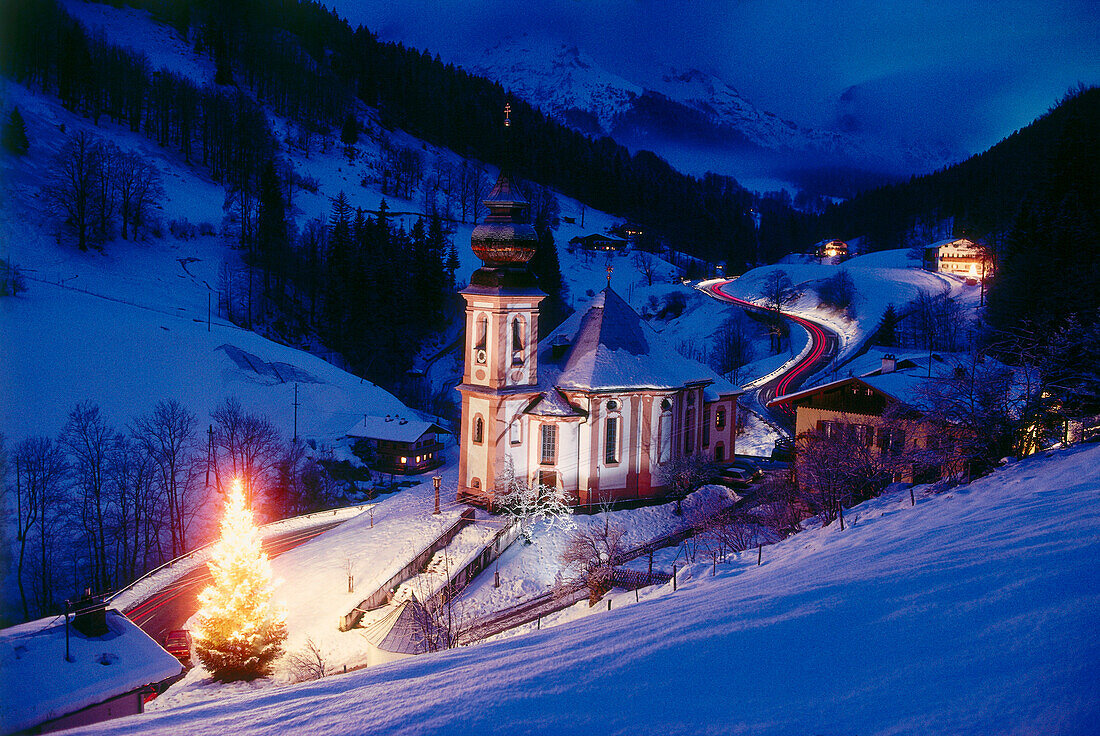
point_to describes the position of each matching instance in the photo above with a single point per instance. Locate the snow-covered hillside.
(973, 613)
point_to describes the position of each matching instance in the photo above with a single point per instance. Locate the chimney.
(889, 363)
(90, 615)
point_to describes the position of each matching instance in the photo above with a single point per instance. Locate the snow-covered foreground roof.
(37, 683)
(974, 612)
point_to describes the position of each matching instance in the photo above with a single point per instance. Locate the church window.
(666, 405)
(664, 435)
(611, 441)
(517, 341)
(482, 337)
(514, 432)
(549, 443)
(720, 418)
(479, 429)
(612, 405)
(706, 428)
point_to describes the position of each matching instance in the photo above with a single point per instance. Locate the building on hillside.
(396, 444)
(113, 667)
(596, 241)
(959, 257)
(866, 407)
(600, 408)
(831, 248)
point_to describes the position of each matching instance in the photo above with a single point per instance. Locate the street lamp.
(436, 480)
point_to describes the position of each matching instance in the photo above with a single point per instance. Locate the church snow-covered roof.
(612, 348)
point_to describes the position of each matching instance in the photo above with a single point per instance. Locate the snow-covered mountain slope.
(681, 107)
(972, 613)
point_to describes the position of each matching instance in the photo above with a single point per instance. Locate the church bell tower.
(501, 357)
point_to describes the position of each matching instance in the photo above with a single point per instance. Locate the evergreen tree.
(349, 131)
(547, 270)
(886, 335)
(240, 632)
(14, 134)
(271, 235)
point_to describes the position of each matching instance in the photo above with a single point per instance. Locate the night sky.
(962, 73)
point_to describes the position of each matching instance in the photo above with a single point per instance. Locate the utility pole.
(295, 412)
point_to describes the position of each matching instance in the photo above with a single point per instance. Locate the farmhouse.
(597, 241)
(600, 408)
(831, 248)
(398, 444)
(958, 256)
(867, 407)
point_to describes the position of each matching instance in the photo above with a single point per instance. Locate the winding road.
(169, 608)
(824, 344)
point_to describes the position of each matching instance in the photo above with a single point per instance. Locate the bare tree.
(592, 554)
(779, 291)
(88, 441)
(733, 348)
(307, 663)
(167, 436)
(139, 190)
(530, 502)
(70, 189)
(251, 446)
(472, 187)
(841, 464)
(683, 474)
(647, 264)
(39, 470)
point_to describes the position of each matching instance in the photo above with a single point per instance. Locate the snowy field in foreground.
(974, 612)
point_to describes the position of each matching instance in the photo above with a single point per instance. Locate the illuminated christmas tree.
(239, 632)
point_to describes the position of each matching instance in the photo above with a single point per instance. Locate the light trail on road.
(820, 340)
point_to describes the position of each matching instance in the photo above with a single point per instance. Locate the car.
(747, 466)
(178, 643)
(733, 478)
(783, 450)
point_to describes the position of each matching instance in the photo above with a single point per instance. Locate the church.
(600, 408)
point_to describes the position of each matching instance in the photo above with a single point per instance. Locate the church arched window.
(482, 338)
(518, 337)
(664, 432)
(479, 429)
(611, 433)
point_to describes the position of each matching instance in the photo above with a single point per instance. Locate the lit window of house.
(549, 443)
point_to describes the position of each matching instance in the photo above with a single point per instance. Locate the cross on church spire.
(507, 114)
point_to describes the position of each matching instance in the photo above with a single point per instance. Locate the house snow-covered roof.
(392, 428)
(612, 348)
(37, 684)
(948, 241)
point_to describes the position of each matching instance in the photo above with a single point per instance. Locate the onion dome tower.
(502, 309)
